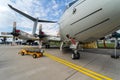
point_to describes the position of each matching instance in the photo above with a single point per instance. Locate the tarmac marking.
(83, 70)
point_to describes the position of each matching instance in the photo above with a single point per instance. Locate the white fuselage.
(89, 20)
(26, 36)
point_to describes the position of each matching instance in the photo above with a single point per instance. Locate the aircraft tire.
(22, 53)
(76, 55)
(34, 56)
(47, 46)
(115, 57)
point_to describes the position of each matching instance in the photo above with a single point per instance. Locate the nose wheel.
(115, 57)
(75, 54)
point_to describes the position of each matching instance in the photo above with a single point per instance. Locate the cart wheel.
(19, 52)
(22, 53)
(34, 56)
(41, 54)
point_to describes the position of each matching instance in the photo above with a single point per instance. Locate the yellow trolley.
(35, 52)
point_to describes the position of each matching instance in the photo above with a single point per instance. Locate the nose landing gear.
(75, 54)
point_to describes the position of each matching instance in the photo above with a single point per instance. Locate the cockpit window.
(70, 4)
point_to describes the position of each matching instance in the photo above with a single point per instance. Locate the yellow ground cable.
(99, 75)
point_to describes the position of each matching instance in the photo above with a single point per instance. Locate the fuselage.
(89, 20)
(29, 37)
(25, 36)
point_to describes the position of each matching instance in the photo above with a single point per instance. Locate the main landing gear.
(75, 54)
(115, 55)
(47, 46)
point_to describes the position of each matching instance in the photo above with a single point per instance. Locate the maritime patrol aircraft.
(85, 21)
(29, 38)
(26, 36)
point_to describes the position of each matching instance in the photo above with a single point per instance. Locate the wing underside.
(28, 16)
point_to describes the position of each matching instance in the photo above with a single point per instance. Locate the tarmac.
(56, 65)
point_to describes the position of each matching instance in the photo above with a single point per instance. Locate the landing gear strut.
(47, 46)
(115, 56)
(74, 47)
(75, 54)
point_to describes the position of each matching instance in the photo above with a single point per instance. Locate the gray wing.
(28, 16)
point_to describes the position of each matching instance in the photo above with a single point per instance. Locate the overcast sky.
(44, 9)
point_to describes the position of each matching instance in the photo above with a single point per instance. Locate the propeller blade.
(41, 33)
(40, 29)
(14, 27)
(15, 32)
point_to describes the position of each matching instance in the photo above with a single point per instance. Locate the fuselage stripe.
(87, 16)
(93, 26)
